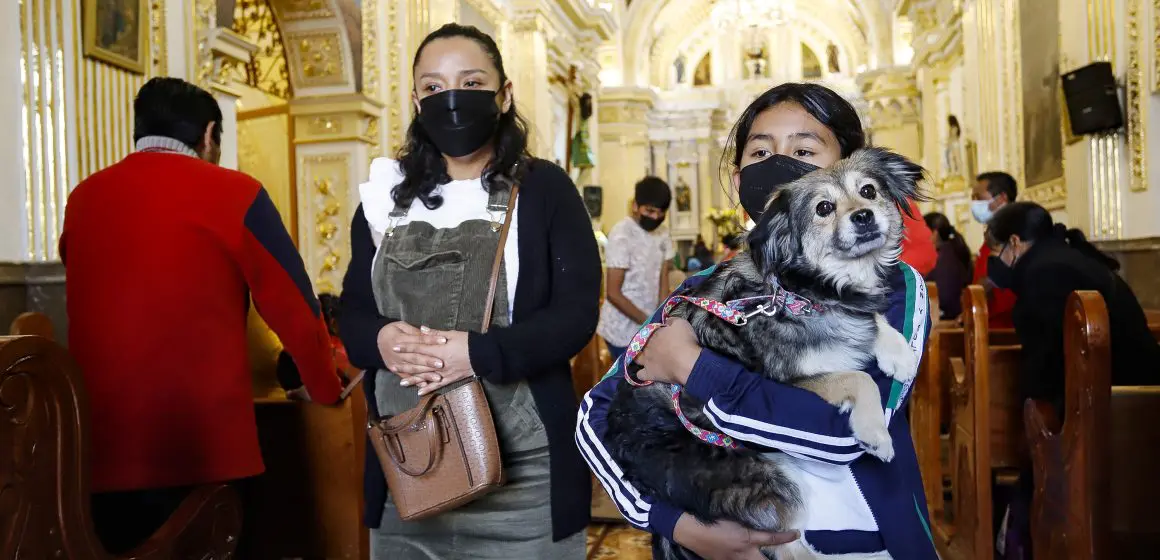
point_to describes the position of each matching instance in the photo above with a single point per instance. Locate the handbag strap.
(495, 265)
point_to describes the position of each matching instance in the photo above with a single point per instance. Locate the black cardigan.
(554, 316)
(1044, 277)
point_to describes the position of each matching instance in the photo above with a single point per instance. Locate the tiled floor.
(618, 540)
(610, 537)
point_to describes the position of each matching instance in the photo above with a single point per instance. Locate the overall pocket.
(424, 289)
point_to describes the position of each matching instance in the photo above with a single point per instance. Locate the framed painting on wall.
(117, 32)
(1042, 110)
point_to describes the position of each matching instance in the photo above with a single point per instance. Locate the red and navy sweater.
(162, 254)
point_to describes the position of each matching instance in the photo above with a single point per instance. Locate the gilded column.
(624, 146)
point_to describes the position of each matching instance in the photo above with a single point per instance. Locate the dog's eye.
(824, 208)
(868, 192)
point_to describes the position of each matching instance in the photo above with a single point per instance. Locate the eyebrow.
(807, 135)
(467, 72)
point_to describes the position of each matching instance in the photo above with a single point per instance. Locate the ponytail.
(1078, 241)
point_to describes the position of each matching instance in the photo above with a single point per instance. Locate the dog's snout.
(862, 218)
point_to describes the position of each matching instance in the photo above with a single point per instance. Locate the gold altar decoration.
(267, 70)
(726, 222)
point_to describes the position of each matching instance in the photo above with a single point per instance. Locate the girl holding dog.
(854, 503)
(422, 245)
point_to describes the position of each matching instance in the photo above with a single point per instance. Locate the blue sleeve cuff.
(712, 373)
(663, 519)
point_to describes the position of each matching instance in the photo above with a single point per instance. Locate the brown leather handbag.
(444, 452)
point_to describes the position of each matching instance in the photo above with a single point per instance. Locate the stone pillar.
(14, 224)
(623, 151)
(706, 186)
(527, 65)
(334, 140)
(659, 160)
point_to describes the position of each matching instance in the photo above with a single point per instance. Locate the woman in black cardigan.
(422, 244)
(1043, 263)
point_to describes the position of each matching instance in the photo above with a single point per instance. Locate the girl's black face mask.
(759, 181)
(459, 121)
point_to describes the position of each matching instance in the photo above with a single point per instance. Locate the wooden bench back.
(931, 402)
(44, 470)
(32, 323)
(985, 426)
(1096, 487)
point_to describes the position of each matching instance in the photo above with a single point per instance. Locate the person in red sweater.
(993, 190)
(918, 248)
(165, 367)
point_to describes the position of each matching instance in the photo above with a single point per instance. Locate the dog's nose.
(863, 217)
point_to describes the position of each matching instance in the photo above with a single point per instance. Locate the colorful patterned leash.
(734, 312)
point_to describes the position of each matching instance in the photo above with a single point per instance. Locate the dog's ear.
(775, 243)
(898, 175)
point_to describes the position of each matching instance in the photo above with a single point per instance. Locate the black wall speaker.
(594, 200)
(1093, 104)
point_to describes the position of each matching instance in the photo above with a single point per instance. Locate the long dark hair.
(821, 102)
(422, 163)
(941, 225)
(1033, 223)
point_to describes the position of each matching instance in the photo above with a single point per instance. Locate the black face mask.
(649, 223)
(1001, 274)
(760, 180)
(459, 121)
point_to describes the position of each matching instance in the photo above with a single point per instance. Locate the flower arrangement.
(727, 221)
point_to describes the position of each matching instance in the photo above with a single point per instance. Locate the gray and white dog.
(828, 238)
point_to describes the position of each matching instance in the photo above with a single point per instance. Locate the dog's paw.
(894, 355)
(874, 437)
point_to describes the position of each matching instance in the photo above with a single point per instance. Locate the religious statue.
(684, 196)
(952, 151)
(582, 157)
(703, 75)
(832, 58)
(679, 67)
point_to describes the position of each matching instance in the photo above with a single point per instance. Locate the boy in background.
(638, 259)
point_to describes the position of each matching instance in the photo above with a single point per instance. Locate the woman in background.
(952, 271)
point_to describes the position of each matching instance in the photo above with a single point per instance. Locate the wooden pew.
(931, 403)
(44, 470)
(32, 323)
(1096, 491)
(986, 432)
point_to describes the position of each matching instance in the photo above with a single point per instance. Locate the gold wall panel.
(370, 46)
(295, 10)
(264, 154)
(318, 56)
(326, 180)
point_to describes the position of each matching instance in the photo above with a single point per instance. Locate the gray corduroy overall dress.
(439, 278)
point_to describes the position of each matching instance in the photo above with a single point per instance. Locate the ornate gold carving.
(325, 125)
(394, 116)
(1051, 195)
(370, 46)
(267, 69)
(1156, 46)
(294, 10)
(528, 21)
(1137, 102)
(327, 176)
(319, 55)
(157, 37)
(204, 12)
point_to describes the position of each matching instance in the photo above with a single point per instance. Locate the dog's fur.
(808, 240)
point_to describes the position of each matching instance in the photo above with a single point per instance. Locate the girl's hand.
(453, 355)
(670, 353)
(401, 347)
(726, 540)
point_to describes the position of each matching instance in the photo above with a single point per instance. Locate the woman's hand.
(452, 354)
(405, 349)
(670, 353)
(726, 540)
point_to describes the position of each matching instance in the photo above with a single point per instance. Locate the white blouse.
(462, 201)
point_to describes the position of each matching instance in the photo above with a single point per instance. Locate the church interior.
(312, 91)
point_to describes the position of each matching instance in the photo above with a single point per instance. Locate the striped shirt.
(854, 503)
